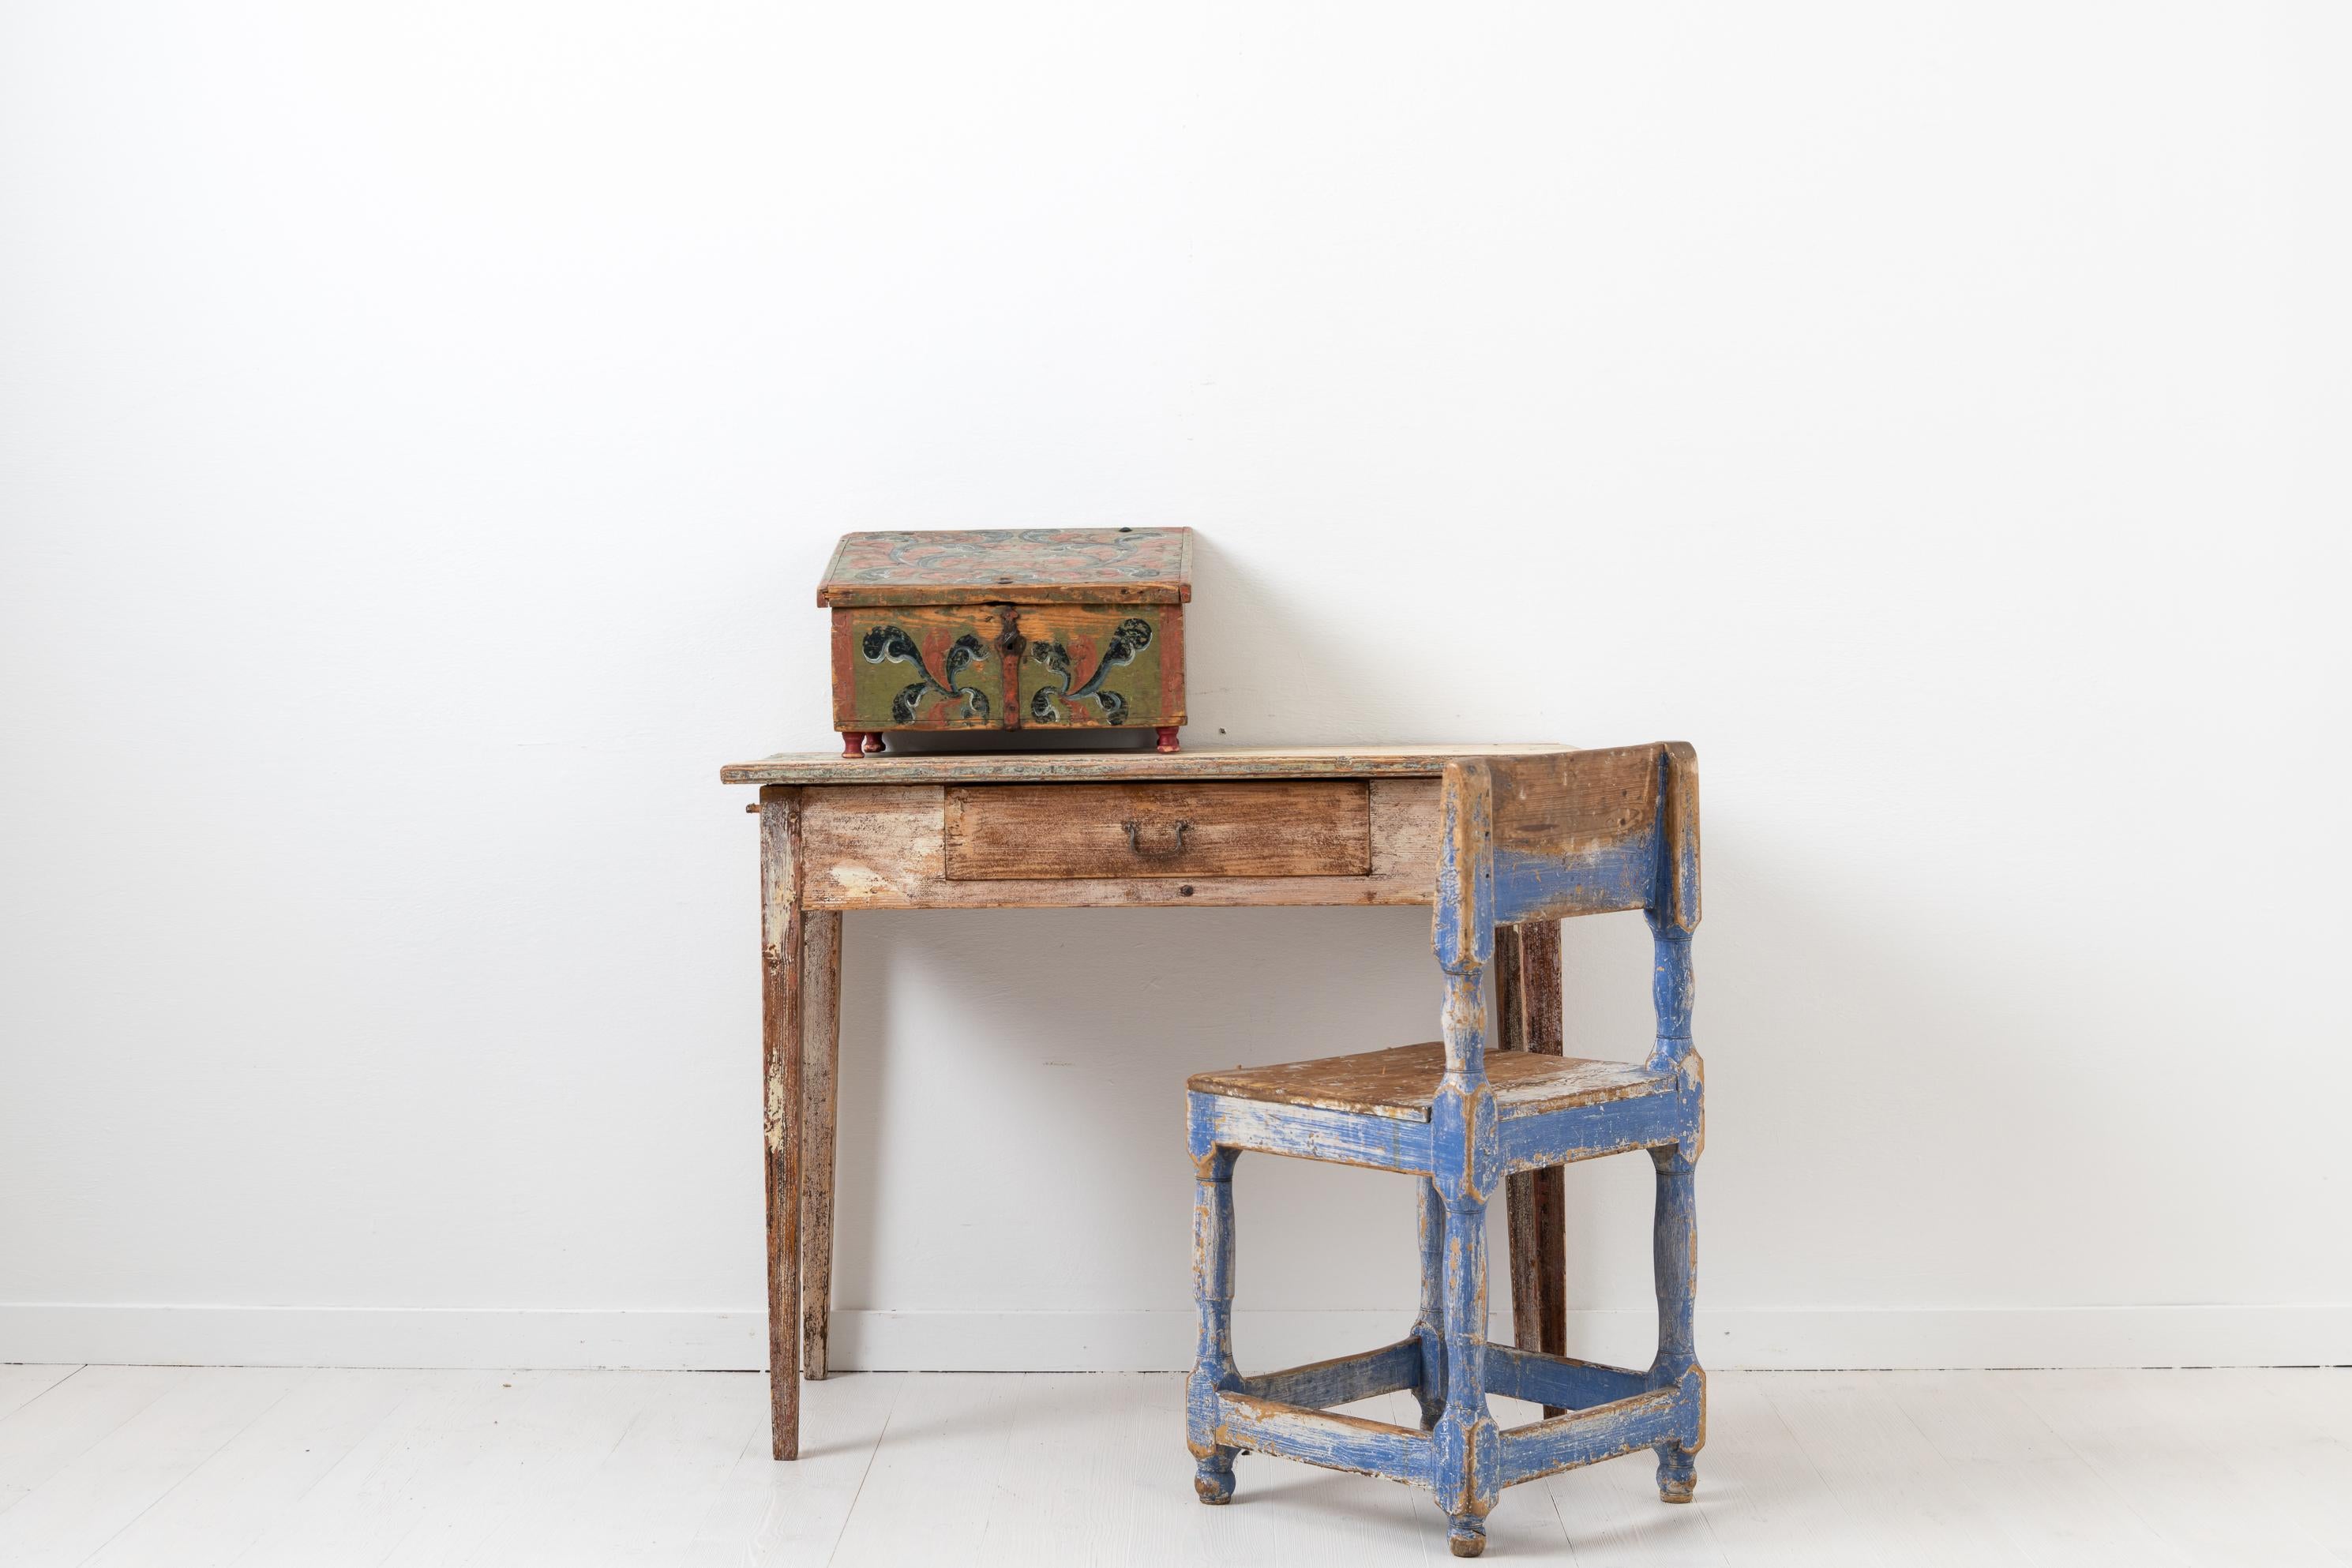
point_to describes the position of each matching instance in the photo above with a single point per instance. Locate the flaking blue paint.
(1461, 1455)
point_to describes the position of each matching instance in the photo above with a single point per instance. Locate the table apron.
(882, 847)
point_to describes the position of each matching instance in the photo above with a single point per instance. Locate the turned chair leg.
(1468, 1441)
(1213, 1291)
(1429, 1328)
(1674, 1255)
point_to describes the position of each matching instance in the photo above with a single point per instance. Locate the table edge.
(1049, 767)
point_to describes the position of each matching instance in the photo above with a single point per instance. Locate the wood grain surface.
(780, 1048)
(820, 1115)
(1046, 767)
(1015, 565)
(1274, 828)
(1558, 808)
(1400, 1083)
(885, 848)
(1527, 1004)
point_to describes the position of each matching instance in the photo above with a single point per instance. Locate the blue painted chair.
(1523, 838)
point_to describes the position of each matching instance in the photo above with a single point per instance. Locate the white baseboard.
(379, 1336)
(1152, 1341)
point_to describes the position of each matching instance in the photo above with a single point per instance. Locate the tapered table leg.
(782, 1048)
(1528, 998)
(820, 1108)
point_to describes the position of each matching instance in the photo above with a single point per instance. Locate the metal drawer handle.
(1135, 842)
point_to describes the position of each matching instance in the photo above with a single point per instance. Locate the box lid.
(1011, 565)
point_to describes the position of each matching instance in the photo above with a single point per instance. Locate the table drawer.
(1296, 828)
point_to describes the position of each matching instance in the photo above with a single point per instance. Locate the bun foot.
(1167, 737)
(1677, 1473)
(1466, 1536)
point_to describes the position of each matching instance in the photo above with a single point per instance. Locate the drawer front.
(1013, 832)
(1100, 665)
(917, 667)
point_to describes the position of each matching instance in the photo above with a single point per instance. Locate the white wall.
(424, 427)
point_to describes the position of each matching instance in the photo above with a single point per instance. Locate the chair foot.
(1466, 1535)
(1212, 1479)
(1677, 1473)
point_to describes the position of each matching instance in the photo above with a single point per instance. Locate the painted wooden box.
(1011, 629)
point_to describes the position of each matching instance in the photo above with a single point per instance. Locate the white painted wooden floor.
(114, 1466)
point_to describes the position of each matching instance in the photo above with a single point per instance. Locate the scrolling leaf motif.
(1047, 705)
(891, 645)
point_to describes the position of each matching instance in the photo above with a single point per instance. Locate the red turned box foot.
(873, 744)
(849, 742)
(1167, 737)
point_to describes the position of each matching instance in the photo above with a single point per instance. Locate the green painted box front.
(1087, 667)
(917, 667)
(1009, 629)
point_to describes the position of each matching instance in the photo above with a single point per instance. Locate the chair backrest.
(1570, 833)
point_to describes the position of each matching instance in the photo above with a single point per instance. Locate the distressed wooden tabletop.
(1049, 767)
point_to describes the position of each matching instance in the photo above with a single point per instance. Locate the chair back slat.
(1586, 833)
(1550, 836)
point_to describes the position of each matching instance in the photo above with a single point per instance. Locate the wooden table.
(1217, 828)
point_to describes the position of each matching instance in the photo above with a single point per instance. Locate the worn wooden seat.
(1522, 839)
(1401, 1083)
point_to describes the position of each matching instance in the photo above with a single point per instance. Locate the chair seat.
(1400, 1083)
